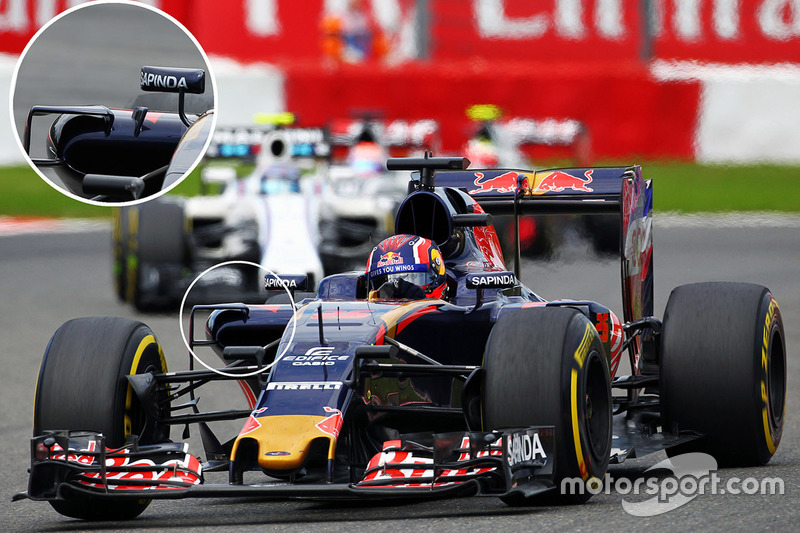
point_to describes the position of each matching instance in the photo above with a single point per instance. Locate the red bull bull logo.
(332, 424)
(390, 258)
(252, 424)
(506, 182)
(557, 181)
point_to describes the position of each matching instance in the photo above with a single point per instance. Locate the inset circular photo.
(113, 102)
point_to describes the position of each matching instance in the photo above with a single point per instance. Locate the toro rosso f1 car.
(122, 155)
(481, 387)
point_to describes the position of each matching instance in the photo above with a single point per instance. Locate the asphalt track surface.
(46, 279)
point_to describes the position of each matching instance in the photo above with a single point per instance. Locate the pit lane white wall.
(244, 91)
(748, 113)
(9, 152)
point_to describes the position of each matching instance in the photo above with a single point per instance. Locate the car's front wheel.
(82, 386)
(547, 367)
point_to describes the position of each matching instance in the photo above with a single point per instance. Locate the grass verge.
(679, 187)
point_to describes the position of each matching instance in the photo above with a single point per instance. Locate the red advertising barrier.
(580, 59)
(742, 31)
(21, 19)
(627, 113)
(536, 30)
(285, 31)
(271, 31)
(730, 31)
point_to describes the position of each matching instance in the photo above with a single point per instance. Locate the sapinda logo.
(150, 79)
(279, 283)
(524, 447)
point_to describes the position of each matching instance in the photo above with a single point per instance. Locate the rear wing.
(621, 191)
(531, 192)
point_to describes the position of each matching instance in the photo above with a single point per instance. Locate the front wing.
(69, 463)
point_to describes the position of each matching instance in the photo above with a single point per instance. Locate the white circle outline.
(84, 5)
(215, 370)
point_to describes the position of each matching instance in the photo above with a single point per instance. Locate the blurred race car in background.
(268, 218)
(123, 155)
(361, 196)
(512, 143)
(499, 142)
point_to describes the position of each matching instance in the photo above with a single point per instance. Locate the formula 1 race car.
(123, 155)
(434, 373)
(268, 218)
(361, 197)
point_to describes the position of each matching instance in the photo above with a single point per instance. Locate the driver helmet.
(279, 178)
(406, 267)
(367, 159)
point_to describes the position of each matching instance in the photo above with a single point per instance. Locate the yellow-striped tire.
(723, 371)
(82, 386)
(547, 367)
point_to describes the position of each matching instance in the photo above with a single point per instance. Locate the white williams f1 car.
(268, 218)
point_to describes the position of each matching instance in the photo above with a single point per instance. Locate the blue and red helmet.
(406, 267)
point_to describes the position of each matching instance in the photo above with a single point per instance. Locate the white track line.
(727, 220)
(28, 225)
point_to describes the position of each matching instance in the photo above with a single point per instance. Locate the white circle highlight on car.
(293, 322)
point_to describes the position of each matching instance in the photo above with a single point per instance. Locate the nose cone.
(284, 441)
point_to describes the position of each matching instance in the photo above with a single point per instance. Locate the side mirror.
(489, 280)
(174, 80)
(282, 282)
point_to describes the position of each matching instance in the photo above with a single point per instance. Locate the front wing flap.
(519, 460)
(81, 460)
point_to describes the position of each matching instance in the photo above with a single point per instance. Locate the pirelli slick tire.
(82, 386)
(119, 244)
(723, 371)
(157, 243)
(547, 367)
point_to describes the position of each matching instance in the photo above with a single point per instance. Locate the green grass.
(682, 187)
(692, 188)
(24, 193)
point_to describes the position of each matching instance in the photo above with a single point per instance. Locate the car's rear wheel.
(157, 245)
(723, 371)
(82, 386)
(547, 367)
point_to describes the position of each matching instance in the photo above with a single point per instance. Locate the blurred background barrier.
(706, 81)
